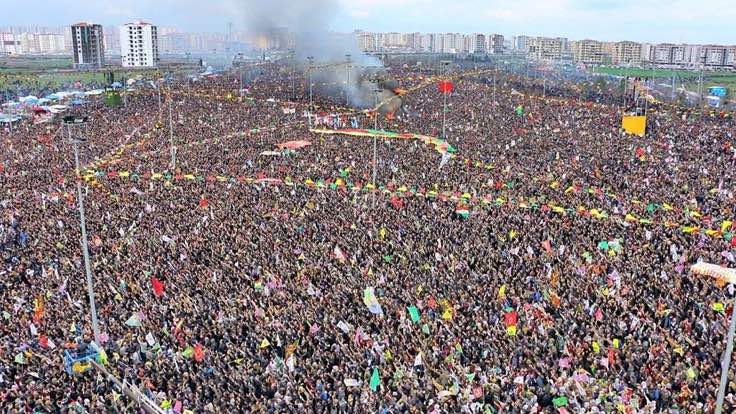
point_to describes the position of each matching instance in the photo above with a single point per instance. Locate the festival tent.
(95, 92)
(78, 102)
(8, 118)
(55, 109)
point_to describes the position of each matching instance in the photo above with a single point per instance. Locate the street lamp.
(171, 135)
(70, 121)
(444, 106)
(347, 84)
(311, 65)
(375, 145)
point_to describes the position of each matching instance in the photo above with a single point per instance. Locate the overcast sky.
(704, 21)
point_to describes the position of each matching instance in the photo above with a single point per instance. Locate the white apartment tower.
(139, 45)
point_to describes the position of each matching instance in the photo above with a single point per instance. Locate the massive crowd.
(240, 281)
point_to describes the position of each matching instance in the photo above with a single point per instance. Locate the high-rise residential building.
(88, 45)
(480, 45)
(367, 42)
(627, 53)
(544, 48)
(414, 41)
(139, 45)
(520, 43)
(588, 51)
(9, 44)
(393, 40)
(495, 43)
(718, 56)
(662, 54)
(646, 52)
(49, 43)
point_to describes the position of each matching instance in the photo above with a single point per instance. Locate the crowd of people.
(544, 268)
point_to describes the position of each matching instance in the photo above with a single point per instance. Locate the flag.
(38, 309)
(188, 352)
(445, 86)
(134, 321)
(264, 343)
(414, 313)
(338, 254)
(519, 110)
(397, 202)
(198, 353)
(375, 380)
(462, 211)
(158, 287)
(445, 158)
(369, 298)
(203, 203)
(547, 245)
(560, 402)
(726, 225)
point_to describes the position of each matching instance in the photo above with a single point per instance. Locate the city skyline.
(651, 21)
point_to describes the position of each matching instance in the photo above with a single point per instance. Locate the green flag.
(375, 380)
(650, 208)
(560, 402)
(603, 245)
(414, 313)
(188, 352)
(425, 329)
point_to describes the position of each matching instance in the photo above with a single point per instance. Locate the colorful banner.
(439, 144)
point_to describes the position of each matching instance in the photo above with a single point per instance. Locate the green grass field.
(689, 78)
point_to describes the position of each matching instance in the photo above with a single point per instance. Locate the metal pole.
(347, 85)
(311, 104)
(171, 136)
(375, 146)
(131, 391)
(726, 364)
(158, 91)
(444, 114)
(85, 249)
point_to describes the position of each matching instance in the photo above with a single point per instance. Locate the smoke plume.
(308, 20)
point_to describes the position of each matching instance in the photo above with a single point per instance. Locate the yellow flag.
(511, 330)
(726, 225)
(265, 343)
(512, 234)
(616, 343)
(596, 347)
(502, 291)
(382, 233)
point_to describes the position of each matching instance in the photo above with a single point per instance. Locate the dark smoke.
(308, 20)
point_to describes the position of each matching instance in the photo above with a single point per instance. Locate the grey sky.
(705, 21)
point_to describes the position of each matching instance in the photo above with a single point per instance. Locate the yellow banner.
(636, 125)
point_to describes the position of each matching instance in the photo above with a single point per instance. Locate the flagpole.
(375, 127)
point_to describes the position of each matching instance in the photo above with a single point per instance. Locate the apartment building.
(139, 45)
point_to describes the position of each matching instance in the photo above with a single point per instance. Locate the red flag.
(397, 202)
(445, 86)
(44, 341)
(203, 203)
(611, 357)
(432, 303)
(547, 245)
(510, 318)
(198, 353)
(158, 287)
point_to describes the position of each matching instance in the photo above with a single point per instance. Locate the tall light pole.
(171, 135)
(444, 106)
(311, 66)
(69, 121)
(347, 84)
(375, 145)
